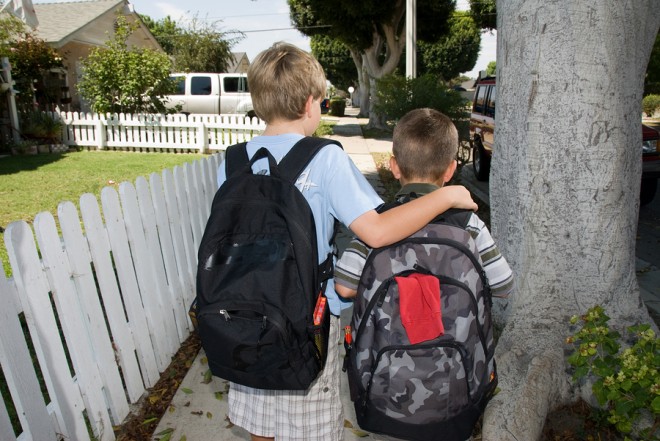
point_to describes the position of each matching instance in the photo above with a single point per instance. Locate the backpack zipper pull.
(264, 322)
(225, 314)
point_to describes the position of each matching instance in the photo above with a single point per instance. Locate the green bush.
(40, 125)
(337, 106)
(627, 379)
(650, 104)
(397, 95)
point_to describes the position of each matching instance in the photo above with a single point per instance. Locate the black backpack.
(437, 386)
(261, 309)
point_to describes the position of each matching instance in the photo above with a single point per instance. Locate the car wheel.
(480, 161)
(647, 190)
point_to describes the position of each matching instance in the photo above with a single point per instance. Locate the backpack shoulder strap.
(301, 154)
(387, 206)
(457, 217)
(235, 157)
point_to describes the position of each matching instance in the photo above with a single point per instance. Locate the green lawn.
(31, 184)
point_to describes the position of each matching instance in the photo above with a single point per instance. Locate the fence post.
(203, 134)
(99, 134)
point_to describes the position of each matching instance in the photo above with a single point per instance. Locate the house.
(239, 63)
(75, 28)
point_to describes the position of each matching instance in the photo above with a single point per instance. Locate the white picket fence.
(105, 303)
(145, 132)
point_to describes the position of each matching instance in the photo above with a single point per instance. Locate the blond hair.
(424, 143)
(281, 79)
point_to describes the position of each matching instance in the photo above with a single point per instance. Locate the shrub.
(627, 381)
(650, 104)
(397, 95)
(40, 125)
(337, 106)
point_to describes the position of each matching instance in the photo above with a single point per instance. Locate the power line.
(279, 29)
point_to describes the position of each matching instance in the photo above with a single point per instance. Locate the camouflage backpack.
(438, 386)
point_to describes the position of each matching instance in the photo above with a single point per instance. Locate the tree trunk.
(363, 82)
(393, 46)
(564, 187)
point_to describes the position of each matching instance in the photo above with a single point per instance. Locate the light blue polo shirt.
(333, 186)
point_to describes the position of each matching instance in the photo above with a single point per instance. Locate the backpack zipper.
(276, 319)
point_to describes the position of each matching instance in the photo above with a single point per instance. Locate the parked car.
(325, 105)
(482, 138)
(212, 93)
(650, 164)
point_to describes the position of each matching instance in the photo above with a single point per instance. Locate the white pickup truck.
(211, 93)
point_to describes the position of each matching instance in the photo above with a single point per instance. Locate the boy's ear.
(449, 173)
(308, 106)
(394, 167)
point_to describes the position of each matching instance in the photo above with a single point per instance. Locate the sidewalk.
(198, 411)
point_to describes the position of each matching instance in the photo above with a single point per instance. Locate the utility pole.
(411, 38)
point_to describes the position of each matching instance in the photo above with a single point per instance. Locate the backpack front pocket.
(422, 384)
(250, 339)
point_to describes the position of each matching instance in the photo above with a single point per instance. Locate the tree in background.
(491, 69)
(374, 32)
(119, 79)
(564, 191)
(31, 58)
(200, 47)
(10, 29)
(484, 13)
(454, 52)
(165, 31)
(335, 57)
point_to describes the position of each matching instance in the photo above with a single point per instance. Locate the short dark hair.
(425, 142)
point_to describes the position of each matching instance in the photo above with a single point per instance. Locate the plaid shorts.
(314, 414)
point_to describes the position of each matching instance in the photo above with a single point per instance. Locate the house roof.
(61, 22)
(235, 58)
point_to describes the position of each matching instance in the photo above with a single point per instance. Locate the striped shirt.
(500, 277)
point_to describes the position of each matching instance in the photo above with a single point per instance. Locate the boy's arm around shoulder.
(381, 229)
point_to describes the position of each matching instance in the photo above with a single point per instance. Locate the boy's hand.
(460, 197)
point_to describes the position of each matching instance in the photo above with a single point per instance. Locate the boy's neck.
(405, 182)
(419, 188)
(283, 127)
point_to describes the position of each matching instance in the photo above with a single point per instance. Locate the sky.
(263, 22)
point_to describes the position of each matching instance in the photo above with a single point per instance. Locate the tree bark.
(564, 187)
